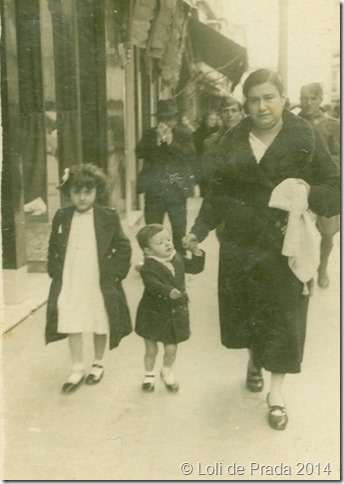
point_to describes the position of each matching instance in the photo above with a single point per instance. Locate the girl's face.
(160, 245)
(265, 105)
(83, 199)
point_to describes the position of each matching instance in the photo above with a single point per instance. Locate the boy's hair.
(144, 235)
(84, 175)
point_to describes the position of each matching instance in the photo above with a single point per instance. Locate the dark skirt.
(262, 307)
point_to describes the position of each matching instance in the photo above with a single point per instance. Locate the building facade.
(80, 83)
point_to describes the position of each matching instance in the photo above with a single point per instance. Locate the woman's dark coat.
(260, 300)
(114, 253)
(160, 318)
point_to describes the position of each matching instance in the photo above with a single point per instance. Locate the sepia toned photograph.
(170, 234)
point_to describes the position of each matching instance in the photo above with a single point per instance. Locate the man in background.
(328, 129)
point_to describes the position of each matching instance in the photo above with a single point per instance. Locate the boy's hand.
(175, 294)
(195, 250)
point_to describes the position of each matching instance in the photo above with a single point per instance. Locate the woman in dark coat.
(262, 303)
(89, 256)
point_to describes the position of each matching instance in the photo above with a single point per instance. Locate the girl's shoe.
(170, 382)
(148, 383)
(279, 421)
(254, 380)
(73, 382)
(95, 375)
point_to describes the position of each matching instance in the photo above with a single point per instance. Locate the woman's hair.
(84, 176)
(261, 76)
(144, 235)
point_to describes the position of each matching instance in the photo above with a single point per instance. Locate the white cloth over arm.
(302, 239)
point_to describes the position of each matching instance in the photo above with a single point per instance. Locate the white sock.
(77, 373)
(166, 370)
(78, 368)
(168, 375)
(149, 376)
(98, 362)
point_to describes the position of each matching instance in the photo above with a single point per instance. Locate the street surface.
(214, 426)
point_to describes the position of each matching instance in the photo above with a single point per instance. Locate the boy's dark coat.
(114, 253)
(159, 317)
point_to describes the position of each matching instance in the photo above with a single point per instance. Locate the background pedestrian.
(328, 129)
(166, 178)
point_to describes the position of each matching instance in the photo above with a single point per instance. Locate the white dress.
(80, 304)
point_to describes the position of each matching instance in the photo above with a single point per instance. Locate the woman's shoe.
(148, 383)
(279, 421)
(254, 380)
(170, 382)
(96, 375)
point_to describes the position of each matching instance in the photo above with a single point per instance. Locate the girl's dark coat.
(160, 318)
(114, 253)
(260, 300)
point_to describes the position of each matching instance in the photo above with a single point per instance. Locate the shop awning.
(216, 50)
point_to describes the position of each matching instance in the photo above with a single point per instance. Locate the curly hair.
(84, 175)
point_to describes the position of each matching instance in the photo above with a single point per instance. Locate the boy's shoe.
(73, 382)
(95, 375)
(170, 382)
(148, 384)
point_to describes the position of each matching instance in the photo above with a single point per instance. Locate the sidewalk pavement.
(114, 431)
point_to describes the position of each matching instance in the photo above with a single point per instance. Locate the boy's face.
(160, 245)
(83, 199)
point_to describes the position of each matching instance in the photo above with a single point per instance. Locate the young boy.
(162, 313)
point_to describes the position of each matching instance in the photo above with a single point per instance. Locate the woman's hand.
(175, 294)
(190, 242)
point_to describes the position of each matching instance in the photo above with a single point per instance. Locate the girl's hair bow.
(65, 177)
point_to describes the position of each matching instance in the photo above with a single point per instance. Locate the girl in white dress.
(88, 257)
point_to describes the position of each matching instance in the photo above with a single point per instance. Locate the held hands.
(175, 294)
(164, 134)
(190, 242)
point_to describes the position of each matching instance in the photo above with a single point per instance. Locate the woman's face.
(265, 105)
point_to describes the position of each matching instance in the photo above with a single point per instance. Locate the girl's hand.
(175, 294)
